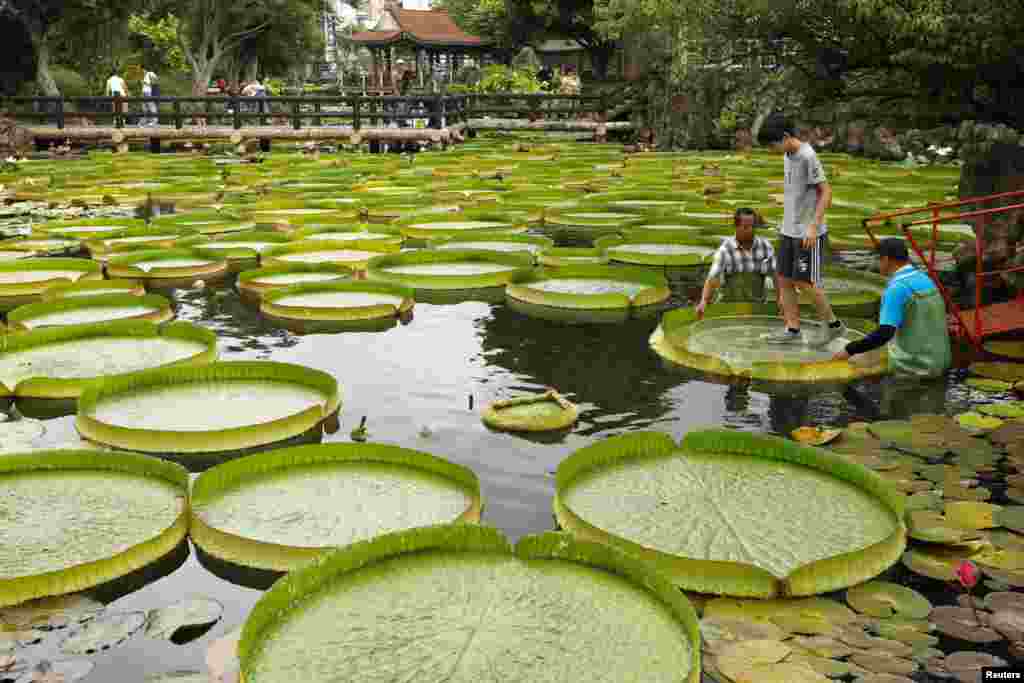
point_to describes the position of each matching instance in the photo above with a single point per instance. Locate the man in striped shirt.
(743, 257)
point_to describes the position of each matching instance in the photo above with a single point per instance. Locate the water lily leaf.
(960, 622)
(978, 422)
(480, 609)
(971, 515)
(1008, 433)
(716, 632)
(1008, 411)
(104, 633)
(178, 677)
(905, 633)
(737, 659)
(11, 638)
(994, 386)
(166, 621)
(807, 615)
(884, 599)
(856, 637)
(938, 562)
(1005, 372)
(821, 646)
(1009, 623)
(932, 527)
(883, 663)
(830, 668)
(65, 671)
(641, 501)
(1004, 600)
(815, 436)
(20, 435)
(968, 665)
(783, 672)
(52, 613)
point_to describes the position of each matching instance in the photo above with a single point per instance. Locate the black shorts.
(796, 263)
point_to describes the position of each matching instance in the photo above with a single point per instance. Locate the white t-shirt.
(116, 86)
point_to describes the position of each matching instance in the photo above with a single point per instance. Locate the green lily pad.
(1011, 517)
(994, 386)
(1004, 372)
(166, 621)
(104, 633)
(1010, 410)
(479, 608)
(978, 422)
(635, 491)
(884, 599)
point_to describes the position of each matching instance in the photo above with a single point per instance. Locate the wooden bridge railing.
(356, 110)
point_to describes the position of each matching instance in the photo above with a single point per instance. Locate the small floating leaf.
(971, 514)
(960, 622)
(104, 633)
(994, 386)
(165, 621)
(815, 436)
(978, 422)
(52, 613)
(884, 599)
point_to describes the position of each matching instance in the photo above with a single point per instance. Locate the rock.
(855, 137)
(14, 140)
(744, 141)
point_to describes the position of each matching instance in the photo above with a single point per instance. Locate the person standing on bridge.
(150, 88)
(117, 89)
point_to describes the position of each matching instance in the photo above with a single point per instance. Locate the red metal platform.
(977, 323)
(996, 318)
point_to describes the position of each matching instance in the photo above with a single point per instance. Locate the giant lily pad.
(447, 227)
(449, 270)
(62, 362)
(338, 301)
(655, 251)
(454, 603)
(93, 288)
(252, 284)
(355, 253)
(549, 411)
(75, 519)
(616, 290)
(218, 408)
(22, 282)
(167, 267)
(92, 309)
(278, 510)
(637, 491)
(516, 244)
(572, 256)
(729, 341)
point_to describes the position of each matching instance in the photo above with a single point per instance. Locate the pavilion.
(428, 34)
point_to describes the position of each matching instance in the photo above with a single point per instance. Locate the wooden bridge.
(354, 118)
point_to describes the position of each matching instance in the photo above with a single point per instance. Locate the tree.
(488, 19)
(575, 19)
(213, 31)
(926, 60)
(42, 18)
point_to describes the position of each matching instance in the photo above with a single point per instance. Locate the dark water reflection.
(413, 383)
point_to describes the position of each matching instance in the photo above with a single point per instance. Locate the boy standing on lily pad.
(803, 235)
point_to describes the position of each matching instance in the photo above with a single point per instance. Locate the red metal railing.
(973, 327)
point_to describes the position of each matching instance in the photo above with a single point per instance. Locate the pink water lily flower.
(967, 574)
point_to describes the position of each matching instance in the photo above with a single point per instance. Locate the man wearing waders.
(913, 318)
(913, 325)
(803, 236)
(742, 263)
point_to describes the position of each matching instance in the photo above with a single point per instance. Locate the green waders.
(921, 346)
(742, 288)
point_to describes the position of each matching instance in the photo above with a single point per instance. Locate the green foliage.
(488, 19)
(500, 78)
(71, 83)
(162, 35)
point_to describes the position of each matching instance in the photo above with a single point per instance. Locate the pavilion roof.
(429, 28)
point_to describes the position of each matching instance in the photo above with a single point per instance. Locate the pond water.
(414, 382)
